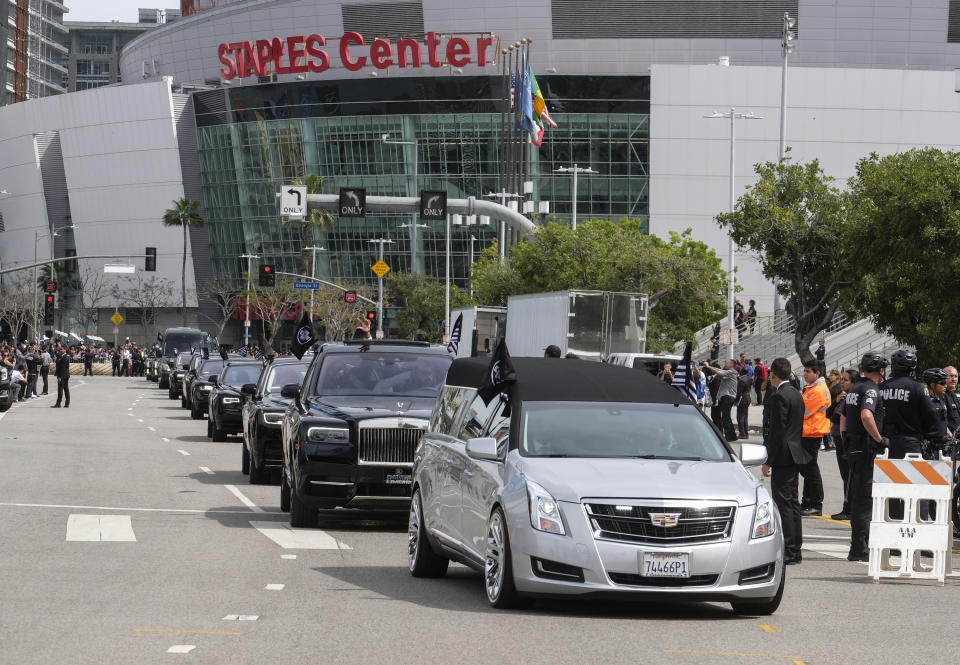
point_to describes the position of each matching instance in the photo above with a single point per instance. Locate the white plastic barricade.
(918, 546)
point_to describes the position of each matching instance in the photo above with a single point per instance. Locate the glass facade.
(253, 139)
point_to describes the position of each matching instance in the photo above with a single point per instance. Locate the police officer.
(861, 425)
(935, 380)
(908, 415)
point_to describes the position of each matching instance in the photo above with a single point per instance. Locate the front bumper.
(230, 420)
(201, 399)
(268, 448)
(718, 571)
(331, 485)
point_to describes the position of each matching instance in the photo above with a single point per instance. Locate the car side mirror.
(483, 448)
(290, 391)
(249, 389)
(214, 381)
(752, 454)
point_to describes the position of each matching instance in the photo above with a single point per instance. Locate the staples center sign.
(300, 54)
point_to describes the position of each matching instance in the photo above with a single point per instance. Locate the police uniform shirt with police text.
(863, 396)
(907, 410)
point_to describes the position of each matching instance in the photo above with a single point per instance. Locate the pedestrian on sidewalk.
(727, 396)
(760, 374)
(743, 403)
(752, 315)
(45, 361)
(785, 455)
(115, 362)
(816, 401)
(63, 378)
(821, 352)
(88, 361)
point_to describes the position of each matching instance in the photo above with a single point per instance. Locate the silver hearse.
(583, 478)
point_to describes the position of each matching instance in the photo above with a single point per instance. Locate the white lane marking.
(130, 408)
(274, 587)
(181, 648)
(139, 420)
(247, 502)
(152, 429)
(241, 617)
(129, 413)
(298, 539)
(231, 617)
(96, 528)
(2, 415)
(288, 556)
(835, 550)
(206, 470)
(8, 504)
(183, 452)
(165, 439)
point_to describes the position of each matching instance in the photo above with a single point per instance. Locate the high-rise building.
(94, 58)
(33, 50)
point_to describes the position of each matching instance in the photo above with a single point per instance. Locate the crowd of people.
(29, 365)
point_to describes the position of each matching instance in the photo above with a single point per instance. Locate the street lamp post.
(246, 318)
(734, 116)
(574, 170)
(786, 44)
(413, 225)
(381, 242)
(313, 270)
(503, 195)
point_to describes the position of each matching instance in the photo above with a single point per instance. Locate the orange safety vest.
(816, 401)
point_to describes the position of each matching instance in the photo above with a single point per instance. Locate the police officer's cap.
(872, 361)
(903, 359)
(934, 375)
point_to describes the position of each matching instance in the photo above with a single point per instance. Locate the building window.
(96, 44)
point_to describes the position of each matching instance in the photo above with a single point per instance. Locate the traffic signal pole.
(246, 318)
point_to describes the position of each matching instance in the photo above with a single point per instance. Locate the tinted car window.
(499, 428)
(475, 417)
(210, 367)
(238, 375)
(445, 412)
(175, 342)
(595, 429)
(281, 375)
(371, 373)
(183, 360)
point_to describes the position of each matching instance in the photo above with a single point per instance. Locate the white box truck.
(590, 324)
(482, 328)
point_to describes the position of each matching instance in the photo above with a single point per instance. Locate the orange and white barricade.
(925, 545)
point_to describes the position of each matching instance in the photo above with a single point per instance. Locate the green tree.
(317, 220)
(905, 249)
(421, 299)
(795, 220)
(682, 276)
(183, 214)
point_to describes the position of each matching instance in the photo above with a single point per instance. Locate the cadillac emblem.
(665, 519)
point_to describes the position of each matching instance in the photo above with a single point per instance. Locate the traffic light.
(267, 276)
(150, 265)
(372, 318)
(48, 306)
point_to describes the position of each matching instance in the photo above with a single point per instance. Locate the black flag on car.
(500, 374)
(683, 375)
(454, 344)
(304, 337)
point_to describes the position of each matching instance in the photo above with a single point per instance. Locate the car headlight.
(206, 388)
(231, 400)
(3, 373)
(328, 435)
(273, 418)
(544, 511)
(764, 522)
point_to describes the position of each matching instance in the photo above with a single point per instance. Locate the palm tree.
(183, 214)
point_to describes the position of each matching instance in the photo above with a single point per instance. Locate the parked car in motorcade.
(224, 401)
(176, 340)
(178, 369)
(201, 384)
(584, 478)
(350, 431)
(8, 390)
(262, 414)
(652, 362)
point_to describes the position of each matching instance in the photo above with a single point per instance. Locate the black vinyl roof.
(569, 380)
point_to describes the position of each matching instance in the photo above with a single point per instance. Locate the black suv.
(352, 426)
(224, 401)
(180, 365)
(8, 390)
(262, 414)
(176, 340)
(198, 385)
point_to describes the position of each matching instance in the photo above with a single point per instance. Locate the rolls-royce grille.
(657, 525)
(388, 445)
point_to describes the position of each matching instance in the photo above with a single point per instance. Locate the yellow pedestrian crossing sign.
(380, 268)
(116, 318)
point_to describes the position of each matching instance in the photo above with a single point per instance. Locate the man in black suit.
(63, 378)
(785, 454)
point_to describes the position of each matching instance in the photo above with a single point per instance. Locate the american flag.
(243, 351)
(455, 334)
(513, 88)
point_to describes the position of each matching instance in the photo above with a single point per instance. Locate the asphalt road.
(121, 539)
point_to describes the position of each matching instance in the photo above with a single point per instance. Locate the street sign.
(307, 286)
(293, 201)
(380, 268)
(116, 318)
(50, 287)
(379, 334)
(116, 330)
(433, 205)
(350, 296)
(353, 202)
